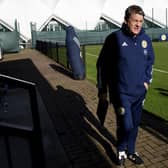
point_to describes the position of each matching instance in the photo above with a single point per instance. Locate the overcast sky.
(83, 14)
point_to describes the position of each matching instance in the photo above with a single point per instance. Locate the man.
(124, 69)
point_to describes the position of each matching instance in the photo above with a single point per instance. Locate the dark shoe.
(121, 158)
(135, 158)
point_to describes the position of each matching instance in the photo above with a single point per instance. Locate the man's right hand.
(102, 96)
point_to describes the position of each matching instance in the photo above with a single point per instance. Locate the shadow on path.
(77, 116)
(74, 123)
(62, 70)
(162, 91)
(79, 132)
(155, 125)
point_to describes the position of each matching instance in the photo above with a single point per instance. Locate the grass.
(157, 97)
(92, 53)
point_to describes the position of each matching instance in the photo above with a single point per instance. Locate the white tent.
(82, 14)
(116, 9)
(24, 12)
(157, 10)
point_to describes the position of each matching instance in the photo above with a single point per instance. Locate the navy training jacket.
(125, 63)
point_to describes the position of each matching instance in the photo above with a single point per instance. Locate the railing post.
(84, 58)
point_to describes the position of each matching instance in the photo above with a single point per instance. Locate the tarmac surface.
(72, 135)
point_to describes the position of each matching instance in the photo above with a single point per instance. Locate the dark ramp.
(15, 146)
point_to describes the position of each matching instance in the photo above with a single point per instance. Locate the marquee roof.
(82, 14)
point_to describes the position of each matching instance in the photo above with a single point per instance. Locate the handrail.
(34, 133)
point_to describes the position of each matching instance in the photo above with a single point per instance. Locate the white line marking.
(155, 69)
(160, 70)
(91, 54)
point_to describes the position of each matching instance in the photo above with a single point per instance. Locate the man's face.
(135, 23)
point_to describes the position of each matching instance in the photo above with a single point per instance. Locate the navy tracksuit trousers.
(128, 120)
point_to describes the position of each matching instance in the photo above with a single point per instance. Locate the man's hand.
(102, 96)
(102, 107)
(146, 85)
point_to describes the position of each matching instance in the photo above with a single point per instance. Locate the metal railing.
(58, 52)
(32, 133)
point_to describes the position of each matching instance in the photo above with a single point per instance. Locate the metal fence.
(90, 37)
(32, 132)
(52, 44)
(58, 52)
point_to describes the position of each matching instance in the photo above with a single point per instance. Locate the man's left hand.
(146, 85)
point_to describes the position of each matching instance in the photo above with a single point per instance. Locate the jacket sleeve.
(103, 65)
(149, 65)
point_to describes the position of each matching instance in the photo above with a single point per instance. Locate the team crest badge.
(163, 37)
(144, 43)
(121, 110)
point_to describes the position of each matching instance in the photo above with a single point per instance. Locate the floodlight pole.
(166, 18)
(152, 17)
(152, 21)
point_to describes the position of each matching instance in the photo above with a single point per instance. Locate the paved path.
(79, 139)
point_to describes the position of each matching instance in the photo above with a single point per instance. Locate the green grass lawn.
(157, 97)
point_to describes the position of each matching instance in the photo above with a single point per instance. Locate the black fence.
(31, 132)
(58, 52)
